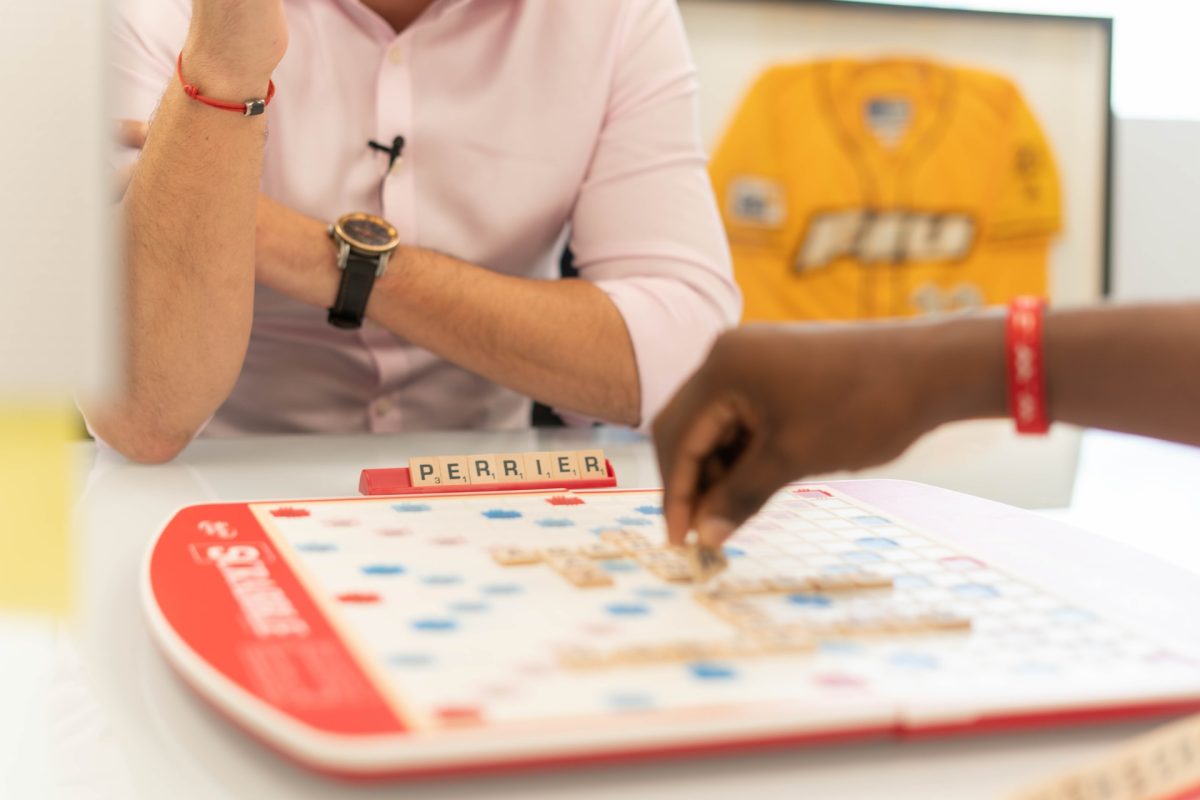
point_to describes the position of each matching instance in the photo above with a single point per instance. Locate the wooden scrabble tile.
(945, 621)
(705, 562)
(738, 584)
(653, 555)
(788, 584)
(537, 467)
(563, 565)
(687, 650)
(563, 465)
(483, 469)
(723, 649)
(426, 471)
(634, 542)
(740, 613)
(456, 470)
(643, 654)
(592, 578)
(883, 623)
(602, 550)
(672, 572)
(897, 623)
(592, 464)
(710, 595)
(821, 628)
(555, 554)
(731, 606)
(834, 582)
(510, 467)
(579, 658)
(865, 579)
(515, 556)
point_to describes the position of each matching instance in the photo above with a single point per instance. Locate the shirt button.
(381, 406)
(396, 55)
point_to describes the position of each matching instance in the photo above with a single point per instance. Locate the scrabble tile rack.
(398, 481)
(1161, 765)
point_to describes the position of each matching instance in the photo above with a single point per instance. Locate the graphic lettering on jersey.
(930, 298)
(1028, 165)
(757, 201)
(885, 237)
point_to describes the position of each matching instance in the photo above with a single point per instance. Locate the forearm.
(189, 244)
(1134, 369)
(562, 342)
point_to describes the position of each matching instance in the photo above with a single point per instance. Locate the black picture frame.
(1104, 26)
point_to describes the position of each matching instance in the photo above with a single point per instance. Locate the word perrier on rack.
(492, 472)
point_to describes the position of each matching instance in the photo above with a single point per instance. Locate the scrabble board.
(450, 634)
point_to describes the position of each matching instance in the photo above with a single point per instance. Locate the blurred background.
(58, 307)
(1157, 108)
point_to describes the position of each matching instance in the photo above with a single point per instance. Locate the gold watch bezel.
(340, 231)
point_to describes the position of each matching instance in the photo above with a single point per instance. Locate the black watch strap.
(358, 278)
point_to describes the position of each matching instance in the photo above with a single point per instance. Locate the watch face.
(366, 232)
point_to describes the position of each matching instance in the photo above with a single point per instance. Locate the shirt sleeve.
(645, 227)
(145, 36)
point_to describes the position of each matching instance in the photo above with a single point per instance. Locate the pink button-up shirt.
(530, 124)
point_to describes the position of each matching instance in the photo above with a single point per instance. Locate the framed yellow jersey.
(854, 189)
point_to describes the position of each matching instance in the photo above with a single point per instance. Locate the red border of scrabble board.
(204, 635)
(382, 482)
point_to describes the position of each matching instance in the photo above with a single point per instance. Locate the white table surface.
(113, 721)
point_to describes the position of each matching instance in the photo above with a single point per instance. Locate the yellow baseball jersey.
(854, 189)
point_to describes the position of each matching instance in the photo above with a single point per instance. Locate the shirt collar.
(358, 10)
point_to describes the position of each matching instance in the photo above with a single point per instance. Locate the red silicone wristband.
(249, 108)
(1026, 365)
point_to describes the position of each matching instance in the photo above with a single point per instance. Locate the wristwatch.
(365, 243)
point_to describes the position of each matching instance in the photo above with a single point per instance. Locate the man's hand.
(775, 403)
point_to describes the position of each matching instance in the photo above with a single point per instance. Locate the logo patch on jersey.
(884, 237)
(756, 201)
(888, 118)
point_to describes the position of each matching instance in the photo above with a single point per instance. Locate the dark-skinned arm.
(773, 404)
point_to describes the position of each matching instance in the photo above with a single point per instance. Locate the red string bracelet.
(249, 108)
(1027, 365)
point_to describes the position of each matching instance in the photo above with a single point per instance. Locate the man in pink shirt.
(526, 124)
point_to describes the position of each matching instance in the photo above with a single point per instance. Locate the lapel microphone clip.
(394, 151)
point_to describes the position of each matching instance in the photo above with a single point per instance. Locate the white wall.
(56, 301)
(1156, 236)
(1155, 58)
(1058, 66)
